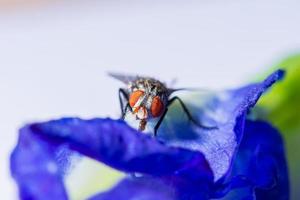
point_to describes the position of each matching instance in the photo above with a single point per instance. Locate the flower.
(239, 159)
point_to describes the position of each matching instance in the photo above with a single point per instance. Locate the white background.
(54, 57)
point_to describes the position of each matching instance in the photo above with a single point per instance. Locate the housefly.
(147, 99)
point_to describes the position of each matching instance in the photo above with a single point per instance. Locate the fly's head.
(147, 98)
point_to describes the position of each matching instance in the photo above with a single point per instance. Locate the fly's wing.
(180, 91)
(126, 79)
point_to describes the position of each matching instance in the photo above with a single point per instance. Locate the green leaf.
(281, 105)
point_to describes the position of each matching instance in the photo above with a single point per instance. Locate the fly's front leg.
(123, 93)
(125, 111)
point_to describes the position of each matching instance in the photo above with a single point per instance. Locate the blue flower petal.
(143, 188)
(163, 188)
(260, 168)
(35, 168)
(112, 142)
(224, 110)
(186, 167)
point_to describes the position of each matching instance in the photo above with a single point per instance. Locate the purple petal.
(112, 142)
(35, 168)
(144, 188)
(149, 188)
(224, 110)
(260, 168)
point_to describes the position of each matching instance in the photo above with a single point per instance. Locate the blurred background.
(55, 55)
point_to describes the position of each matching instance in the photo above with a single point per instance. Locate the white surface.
(53, 60)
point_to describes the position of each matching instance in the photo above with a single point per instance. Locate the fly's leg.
(124, 111)
(159, 122)
(123, 93)
(190, 117)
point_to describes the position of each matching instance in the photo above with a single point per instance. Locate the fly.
(147, 98)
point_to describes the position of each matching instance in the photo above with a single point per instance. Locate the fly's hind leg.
(187, 112)
(159, 122)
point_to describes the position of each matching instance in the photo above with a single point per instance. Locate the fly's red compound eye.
(157, 107)
(134, 97)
